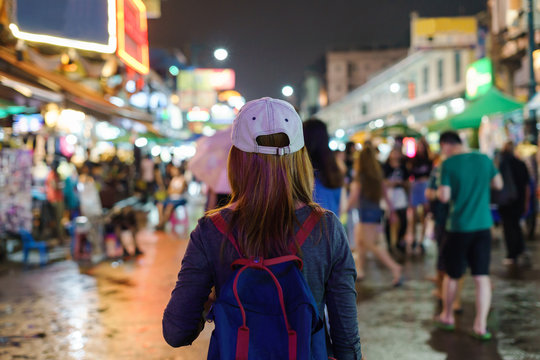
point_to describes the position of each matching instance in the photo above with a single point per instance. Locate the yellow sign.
(444, 32)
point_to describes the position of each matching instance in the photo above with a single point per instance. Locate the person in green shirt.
(466, 179)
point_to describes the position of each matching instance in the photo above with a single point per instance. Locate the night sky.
(271, 42)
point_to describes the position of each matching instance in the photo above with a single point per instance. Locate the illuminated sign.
(80, 24)
(153, 9)
(206, 79)
(479, 78)
(198, 114)
(133, 35)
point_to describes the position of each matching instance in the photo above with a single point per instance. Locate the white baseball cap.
(267, 116)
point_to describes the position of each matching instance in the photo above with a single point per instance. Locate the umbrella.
(209, 164)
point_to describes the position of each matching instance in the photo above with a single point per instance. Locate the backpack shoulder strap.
(223, 227)
(301, 236)
(304, 231)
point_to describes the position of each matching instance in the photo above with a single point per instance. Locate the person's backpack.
(509, 192)
(266, 309)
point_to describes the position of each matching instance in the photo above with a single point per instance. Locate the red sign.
(133, 35)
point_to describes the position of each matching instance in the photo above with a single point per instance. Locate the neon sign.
(133, 35)
(87, 25)
(479, 78)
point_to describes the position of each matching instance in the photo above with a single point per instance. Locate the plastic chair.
(29, 243)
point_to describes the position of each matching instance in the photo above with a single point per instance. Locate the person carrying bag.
(275, 257)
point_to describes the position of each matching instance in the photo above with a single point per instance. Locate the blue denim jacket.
(328, 267)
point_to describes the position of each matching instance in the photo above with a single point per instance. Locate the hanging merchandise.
(15, 190)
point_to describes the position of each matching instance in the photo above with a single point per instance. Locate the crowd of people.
(102, 195)
(458, 192)
(453, 197)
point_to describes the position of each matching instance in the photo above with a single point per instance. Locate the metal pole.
(532, 80)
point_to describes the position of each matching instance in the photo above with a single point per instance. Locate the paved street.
(113, 311)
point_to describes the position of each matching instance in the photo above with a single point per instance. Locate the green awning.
(396, 130)
(10, 108)
(439, 125)
(493, 102)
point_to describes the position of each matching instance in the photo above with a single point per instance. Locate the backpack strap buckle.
(256, 262)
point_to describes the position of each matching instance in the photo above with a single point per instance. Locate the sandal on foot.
(443, 325)
(482, 337)
(399, 282)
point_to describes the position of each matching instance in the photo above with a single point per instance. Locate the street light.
(287, 91)
(395, 87)
(221, 54)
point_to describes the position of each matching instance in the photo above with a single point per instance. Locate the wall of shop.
(422, 78)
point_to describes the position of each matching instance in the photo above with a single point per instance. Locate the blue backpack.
(266, 309)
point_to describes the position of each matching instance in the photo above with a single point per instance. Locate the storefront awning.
(74, 92)
(493, 102)
(396, 130)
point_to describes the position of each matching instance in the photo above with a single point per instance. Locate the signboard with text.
(479, 78)
(80, 24)
(206, 79)
(133, 35)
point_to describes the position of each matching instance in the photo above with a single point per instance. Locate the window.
(351, 68)
(425, 80)
(364, 108)
(440, 74)
(457, 67)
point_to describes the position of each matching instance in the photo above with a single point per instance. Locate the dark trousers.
(402, 218)
(513, 234)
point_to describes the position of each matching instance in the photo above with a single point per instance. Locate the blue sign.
(87, 23)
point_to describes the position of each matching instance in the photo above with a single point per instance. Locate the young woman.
(367, 190)
(328, 175)
(396, 181)
(271, 180)
(419, 167)
(177, 187)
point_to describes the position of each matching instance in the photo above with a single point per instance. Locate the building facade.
(347, 70)
(425, 85)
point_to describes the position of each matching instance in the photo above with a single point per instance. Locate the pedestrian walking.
(515, 201)
(55, 196)
(419, 167)
(466, 178)
(397, 186)
(367, 191)
(175, 197)
(272, 180)
(329, 178)
(439, 211)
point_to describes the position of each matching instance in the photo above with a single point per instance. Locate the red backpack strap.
(304, 231)
(223, 227)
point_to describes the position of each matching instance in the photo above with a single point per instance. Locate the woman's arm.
(354, 195)
(183, 317)
(341, 299)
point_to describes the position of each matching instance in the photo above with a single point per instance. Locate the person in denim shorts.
(367, 190)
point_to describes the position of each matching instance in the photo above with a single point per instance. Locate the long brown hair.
(369, 174)
(265, 192)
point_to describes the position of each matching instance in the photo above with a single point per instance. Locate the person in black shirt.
(512, 211)
(420, 167)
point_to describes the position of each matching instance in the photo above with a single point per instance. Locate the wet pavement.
(113, 310)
